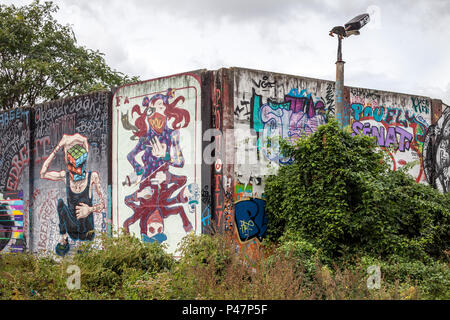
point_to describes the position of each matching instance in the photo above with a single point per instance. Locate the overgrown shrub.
(340, 196)
(25, 276)
(430, 280)
(121, 257)
(105, 274)
(212, 268)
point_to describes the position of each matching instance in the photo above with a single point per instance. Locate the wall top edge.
(384, 92)
(198, 72)
(59, 100)
(195, 73)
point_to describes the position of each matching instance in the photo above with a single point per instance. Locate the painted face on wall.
(159, 106)
(158, 119)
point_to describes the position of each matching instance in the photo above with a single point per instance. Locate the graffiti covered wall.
(156, 158)
(398, 121)
(436, 154)
(267, 107)
(70, 167)
(11, 222)
(186, 153)
(14, 167)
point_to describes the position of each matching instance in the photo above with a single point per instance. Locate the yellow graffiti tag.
(246, 226)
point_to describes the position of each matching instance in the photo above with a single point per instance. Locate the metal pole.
(339, 98)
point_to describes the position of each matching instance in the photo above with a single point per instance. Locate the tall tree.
(40, 59)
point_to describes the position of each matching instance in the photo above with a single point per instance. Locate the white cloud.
(407, 51)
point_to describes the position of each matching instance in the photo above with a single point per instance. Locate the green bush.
(211, 268)
(340, 196)
(202, 266)
(431, 279)
(25, 276)
(121, 256)
(112, 273)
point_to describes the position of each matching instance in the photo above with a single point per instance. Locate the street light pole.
(339, 86)
(351, 28)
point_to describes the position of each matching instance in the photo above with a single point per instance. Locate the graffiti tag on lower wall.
(251, 219)
(11, 222)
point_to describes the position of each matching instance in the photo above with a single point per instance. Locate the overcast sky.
(404, 48)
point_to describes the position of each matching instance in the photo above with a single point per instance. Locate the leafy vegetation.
(40, 59)
(340, 196)
(211, 268)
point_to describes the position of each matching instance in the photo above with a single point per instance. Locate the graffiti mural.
(70, 171)
(76, 215)
(436, 154)
(270, 107)
(11, 222)
(399, 124)
(157, 167)
(15, 157)
(267, 108)
(299, 114)
(62, 184)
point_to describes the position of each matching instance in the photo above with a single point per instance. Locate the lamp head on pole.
(352, 27)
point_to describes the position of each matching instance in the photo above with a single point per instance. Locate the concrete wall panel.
(14, 178)
(399, 121)
(156, 153)
(71, 147)
(270, 106)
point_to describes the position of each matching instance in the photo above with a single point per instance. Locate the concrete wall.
(436, 153)
(57, 127)
(35, 152)
(190, 153)
(267, 106)
(398, 121)
(156, 158)
(14, 179)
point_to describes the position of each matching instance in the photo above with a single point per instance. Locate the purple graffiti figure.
(160, 142)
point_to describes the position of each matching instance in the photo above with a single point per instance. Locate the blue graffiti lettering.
(251, 219)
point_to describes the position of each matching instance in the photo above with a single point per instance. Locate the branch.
(63, 89)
